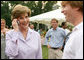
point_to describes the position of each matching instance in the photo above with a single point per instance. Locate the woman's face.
(23, 21)
(2, 24)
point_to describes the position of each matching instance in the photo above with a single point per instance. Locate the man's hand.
(48, 46)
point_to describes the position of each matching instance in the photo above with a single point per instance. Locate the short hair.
(54, 20)
(73, 4)
(31, 24)
(18, 10)
(63, 23)
(3, 20)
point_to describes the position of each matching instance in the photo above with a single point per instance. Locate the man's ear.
(76, 8)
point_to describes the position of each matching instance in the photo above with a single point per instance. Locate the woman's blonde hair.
(18, 10)
(73, 4)
(3, 20)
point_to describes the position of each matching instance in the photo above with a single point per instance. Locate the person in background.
(31, 26)
(40, 31)
(3, 26)
(3, 32)
(55, 38)
(7, 27)
(64, 26)
(67, 31)
(22, 42)
(73, 11)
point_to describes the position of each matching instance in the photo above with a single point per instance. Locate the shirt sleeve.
(79, 47)
(39, 53)
(64, 33)
(47, 37)
(74, 47)
(79, 53)
(11, 44)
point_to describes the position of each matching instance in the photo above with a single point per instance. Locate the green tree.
(5, 12)
(48, 6)
(36, 8)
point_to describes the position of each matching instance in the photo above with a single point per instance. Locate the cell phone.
(18, 22)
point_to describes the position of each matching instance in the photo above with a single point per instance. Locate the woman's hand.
(15, 25)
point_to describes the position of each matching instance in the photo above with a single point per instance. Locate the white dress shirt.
(74, 46)
(67, 31)
(23, 49)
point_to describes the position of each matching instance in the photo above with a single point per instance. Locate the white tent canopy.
(49, 15)
(45, 18)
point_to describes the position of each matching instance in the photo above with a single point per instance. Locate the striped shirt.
(56, 37)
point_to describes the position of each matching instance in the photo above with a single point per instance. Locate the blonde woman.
(3, 32)
(22, 42)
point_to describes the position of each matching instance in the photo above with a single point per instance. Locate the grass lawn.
(45, 52)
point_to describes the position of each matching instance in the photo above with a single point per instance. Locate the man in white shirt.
(73, 10)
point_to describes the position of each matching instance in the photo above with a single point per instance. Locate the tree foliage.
(36, 8)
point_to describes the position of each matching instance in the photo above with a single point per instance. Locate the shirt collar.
(30, 30)
(56, 28)
(28, 34)
(78, 26)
